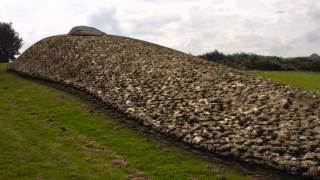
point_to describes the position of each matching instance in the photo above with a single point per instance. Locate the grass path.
(308, 80)
(49, 134)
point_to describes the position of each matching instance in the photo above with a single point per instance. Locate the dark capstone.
(85, 31)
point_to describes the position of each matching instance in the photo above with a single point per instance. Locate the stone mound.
(220, 109)
(85, 31)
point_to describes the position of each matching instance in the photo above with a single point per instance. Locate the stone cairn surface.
(220, 109)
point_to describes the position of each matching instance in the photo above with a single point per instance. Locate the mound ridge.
(223, 110)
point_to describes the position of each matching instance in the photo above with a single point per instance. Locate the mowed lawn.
(49, 134)
(305, 80)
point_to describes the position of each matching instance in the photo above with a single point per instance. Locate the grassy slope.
(309, 80)
(48, 134)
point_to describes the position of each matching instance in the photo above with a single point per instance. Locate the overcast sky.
(268, 27)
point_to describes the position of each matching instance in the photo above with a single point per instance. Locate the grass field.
(307, 80)
(48, 134)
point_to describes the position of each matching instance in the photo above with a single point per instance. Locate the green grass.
(49, 134)
(307, 80)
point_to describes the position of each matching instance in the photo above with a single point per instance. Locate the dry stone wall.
(220, 109)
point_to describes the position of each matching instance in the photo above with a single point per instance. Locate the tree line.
(250, 61)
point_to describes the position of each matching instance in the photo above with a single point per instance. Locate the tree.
(10, 42)
(214, 55)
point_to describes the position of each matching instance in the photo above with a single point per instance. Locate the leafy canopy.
(10, 42)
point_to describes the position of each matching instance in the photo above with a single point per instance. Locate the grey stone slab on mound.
(85, 31)
(220, 109)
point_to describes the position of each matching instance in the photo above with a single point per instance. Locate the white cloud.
(106, 19)
(274, 27)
